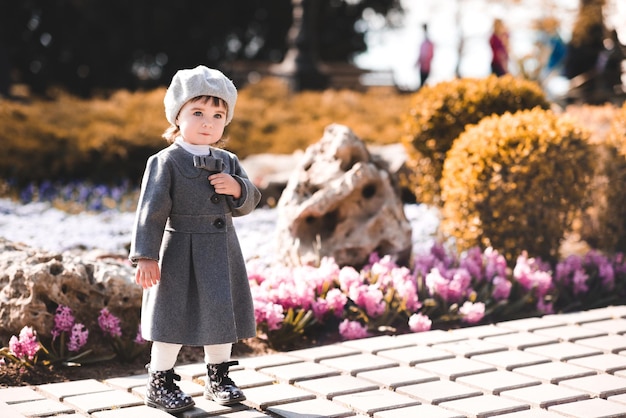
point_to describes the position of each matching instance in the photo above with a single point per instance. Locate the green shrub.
(516, 182)
(438, 114)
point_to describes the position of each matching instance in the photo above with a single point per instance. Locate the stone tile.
(317, 354)
(271, 360)
(374, 401)
(600, 385)
(575, 318)
(591, 408)
(394, 377)
(19, 394)
(608, 344)
(570, 332)
(485, 406)
(132, 412)
(496, 382)
(510, 359)
(329, 387)
(544, 395)
(290, 373)
(92, 402)
(532, 413)
(617, 311)
(311, 409)
(554, 372)
(60, 390)
(194, 370)
(247, 378)
(358, 363)
(563, 351)
(455, 367)
(195, 388)
(430, 411)
(262, 397)
(522, 340)
(128, 382)
(435, 336)
(191, 388)
(206, 407)
(438, 391)
(607, 363)
(618, 398)
(9, 411)
(410, 356)
(530, 324)
(610, 326)
(249, 413)
(480, 331)
(375, 344)
(42, 408)
(469, 348)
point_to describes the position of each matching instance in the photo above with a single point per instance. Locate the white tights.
(164, 355)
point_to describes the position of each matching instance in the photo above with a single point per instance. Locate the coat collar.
(184, 162)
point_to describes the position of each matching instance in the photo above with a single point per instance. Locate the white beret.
(199, 81)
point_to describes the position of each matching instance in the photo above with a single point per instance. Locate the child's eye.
(197, 113)
(218, 116)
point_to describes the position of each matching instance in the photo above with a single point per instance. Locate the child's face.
(201, 122)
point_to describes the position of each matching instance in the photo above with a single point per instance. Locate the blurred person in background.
(499, 43)
(425, 58)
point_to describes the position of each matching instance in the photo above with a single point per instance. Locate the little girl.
(185, 246)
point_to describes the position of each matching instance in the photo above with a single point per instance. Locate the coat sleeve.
(153, 210)
(250, 195)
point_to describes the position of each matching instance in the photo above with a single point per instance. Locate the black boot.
(219, 387)
(164, 394)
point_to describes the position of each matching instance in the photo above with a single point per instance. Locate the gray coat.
(203, 297)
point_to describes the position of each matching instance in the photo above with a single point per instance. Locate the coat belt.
(199, 224)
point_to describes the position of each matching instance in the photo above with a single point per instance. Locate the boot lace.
(222, 374)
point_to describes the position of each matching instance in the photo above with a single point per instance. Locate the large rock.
(33, 283)
(341, 203)
(270, 172)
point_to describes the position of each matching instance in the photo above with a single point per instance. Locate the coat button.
(219, 223)
(215, 198)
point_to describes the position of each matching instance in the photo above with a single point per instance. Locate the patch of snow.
(41, 226)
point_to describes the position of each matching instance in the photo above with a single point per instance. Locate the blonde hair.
(173, 131)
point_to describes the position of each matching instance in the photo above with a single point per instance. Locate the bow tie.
(208, 163)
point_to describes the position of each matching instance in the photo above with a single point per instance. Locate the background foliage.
(89, 45)
(516, 181)
(439, 114)
(109, 139)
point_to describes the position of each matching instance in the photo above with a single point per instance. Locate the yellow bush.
(69, 138)
(515, 182)
(604, 224)
(438, 114)
(108, 139)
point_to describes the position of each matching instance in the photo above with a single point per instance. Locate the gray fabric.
(203, 297)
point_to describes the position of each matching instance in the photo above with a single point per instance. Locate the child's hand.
(147, 273)
(225, 184)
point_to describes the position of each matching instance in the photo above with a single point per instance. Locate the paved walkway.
(571, 365)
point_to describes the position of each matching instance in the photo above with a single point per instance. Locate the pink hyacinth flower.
(419, 322)
(472, 312)
(109, 323)
(78, 338)
(26, 346)
(63, 320)
(352, 330)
